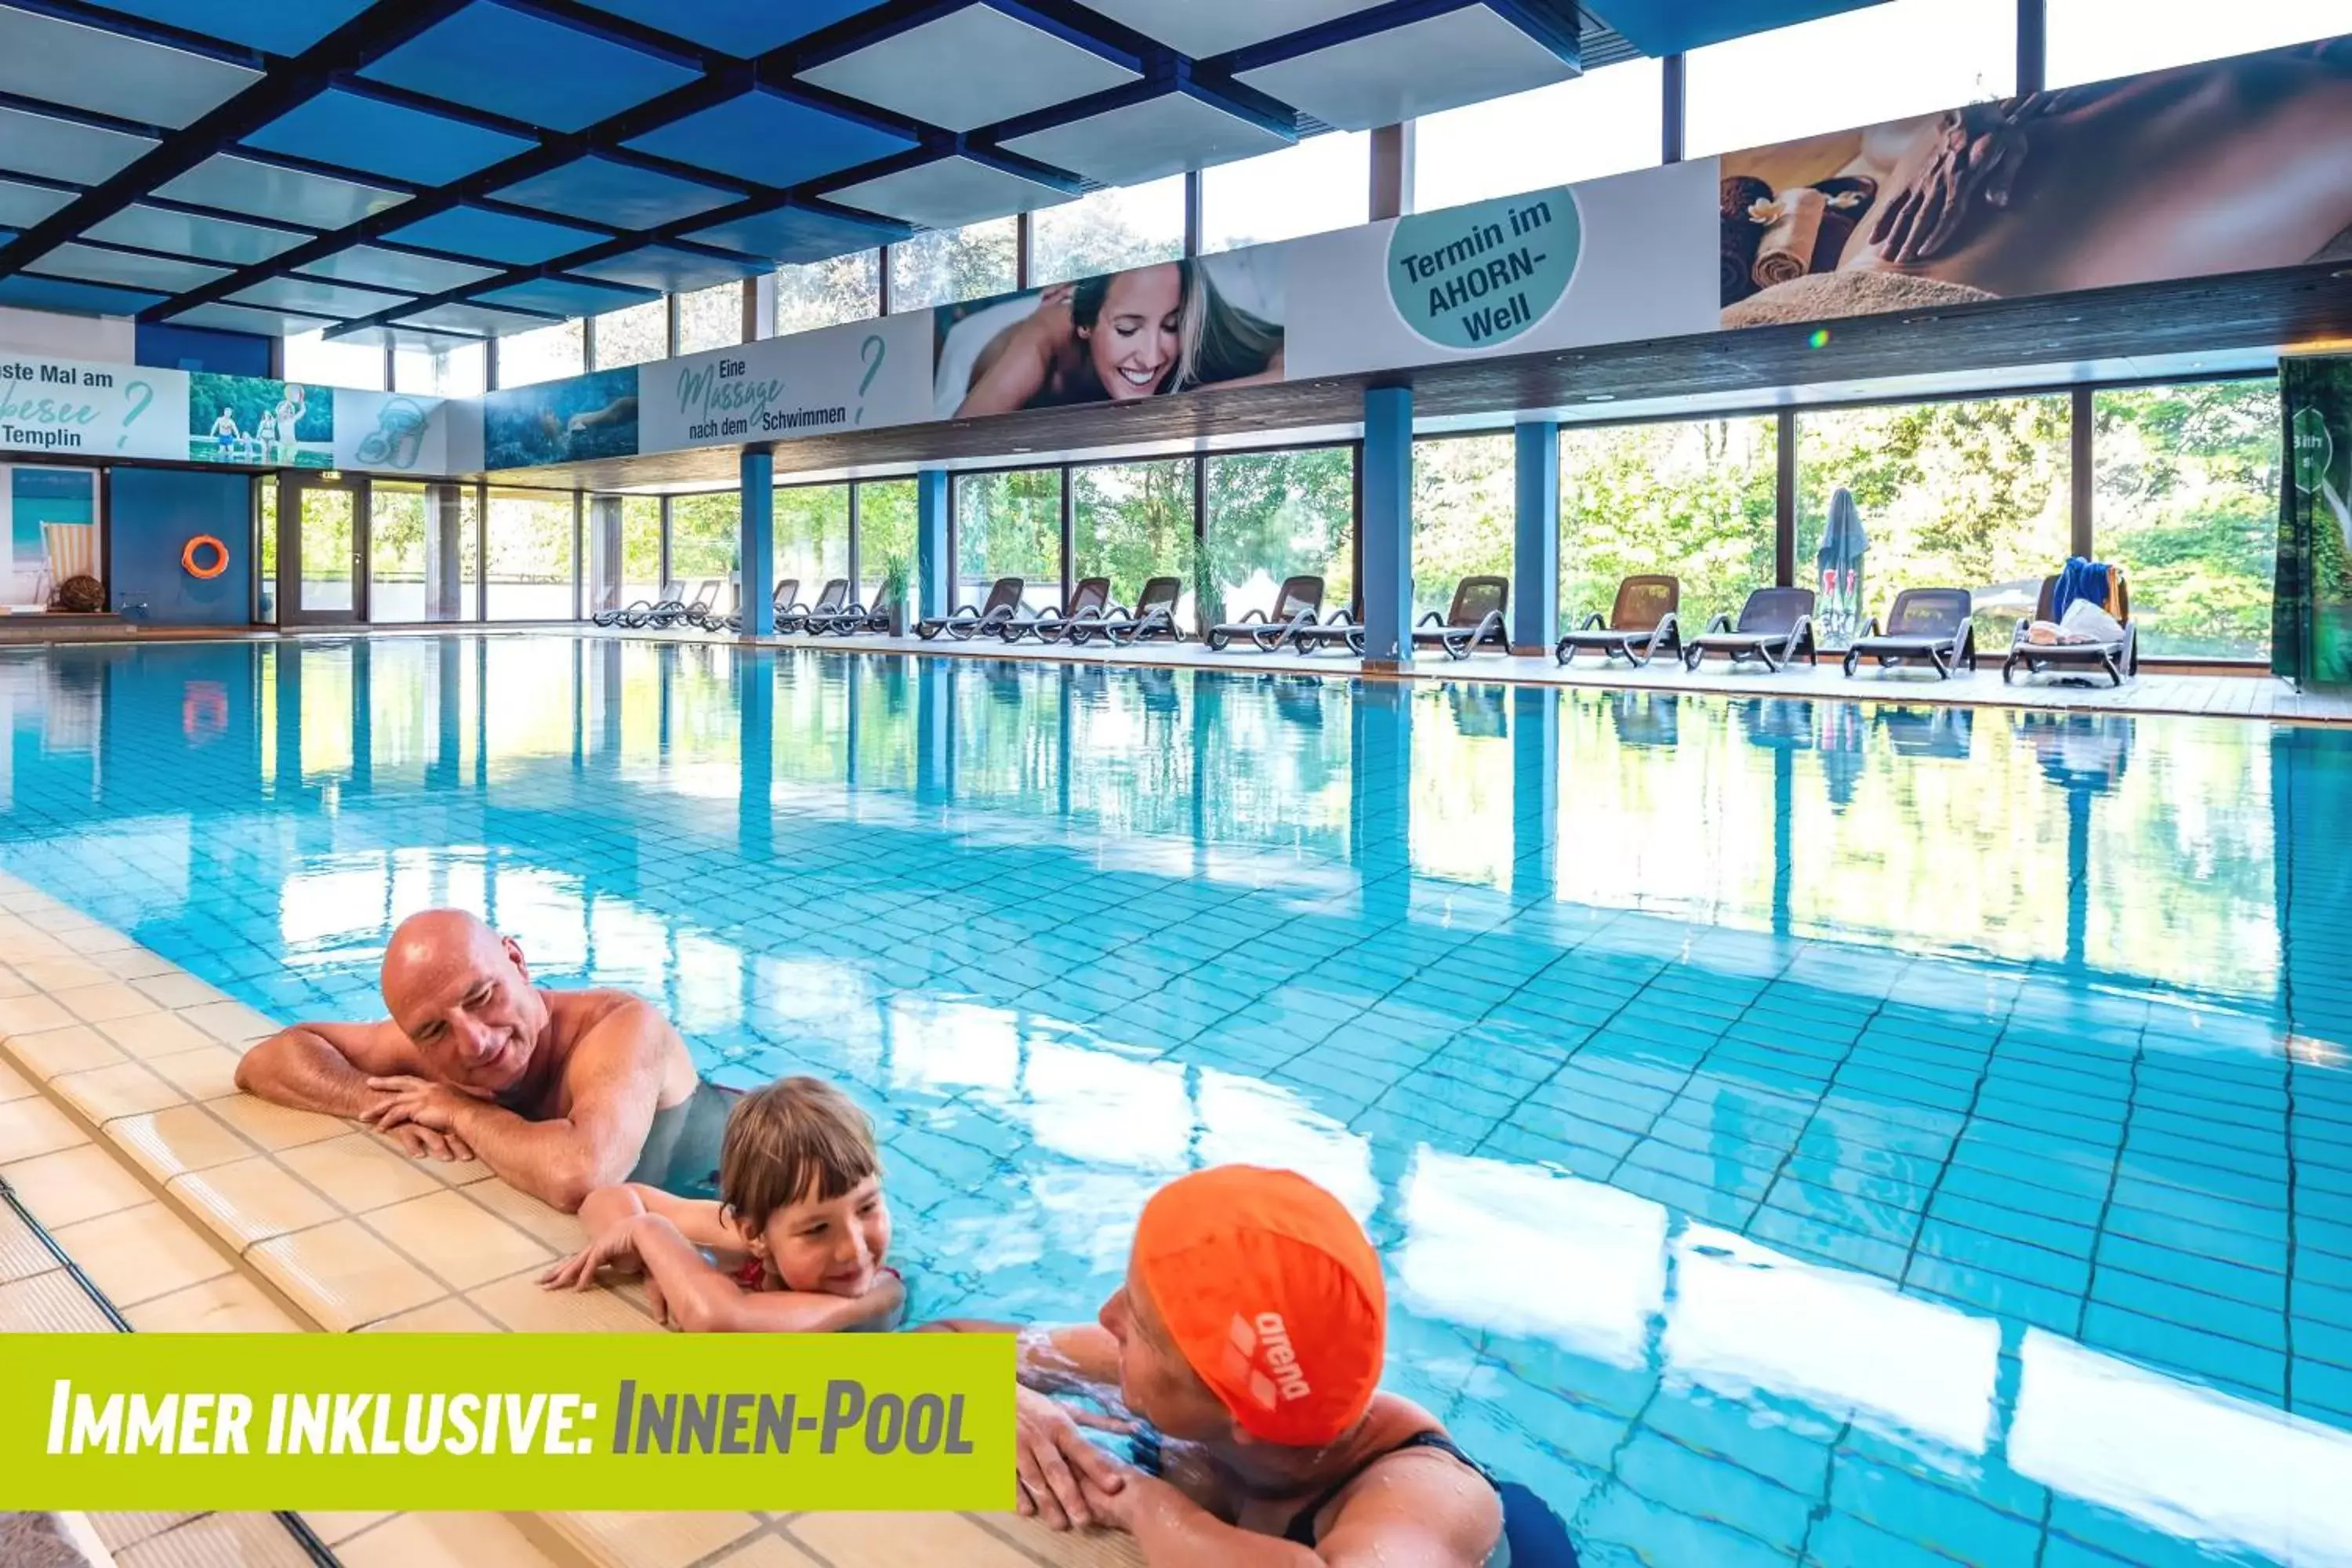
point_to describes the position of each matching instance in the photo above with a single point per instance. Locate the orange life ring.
(204, 573)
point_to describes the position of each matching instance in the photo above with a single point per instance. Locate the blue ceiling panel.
(970, 68)
(382, 267)
(65, 150)
(671, 270)
(495, 235)
(312, 294)
(743, 27)
(63, 62)
(247, 319)
(280, 27)
(476, 321)
(606, 191)
(131, 269)
(527, 68)
(274, 191)
(772, 139)
(792, 235)
(34, 292)
(352, 130)
(1676, 26)
(567, 297)
(406, 338)
(194, 233)
(21, 206)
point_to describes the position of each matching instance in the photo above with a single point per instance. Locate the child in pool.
(795, 1244)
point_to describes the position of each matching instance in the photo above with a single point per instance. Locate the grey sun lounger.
(847, 618)
(641, 612)
(1296, 608)
(1002, 605)
(1085, 608)
(1474, 619)
(782, 599)
(1154, 616)
(1641, 624)
(1775, 626)
(1925, 624)
(832, 604)
(2112, 659)
(697, 608)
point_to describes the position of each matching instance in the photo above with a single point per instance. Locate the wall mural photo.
(1173, 326)
(270, 423)
(2231, 166)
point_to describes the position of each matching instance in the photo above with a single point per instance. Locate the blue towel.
(2079, 579)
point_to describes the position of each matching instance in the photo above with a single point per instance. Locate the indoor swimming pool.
(1837, 1134)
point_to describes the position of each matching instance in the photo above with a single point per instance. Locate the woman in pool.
(794, 1243)
(1133, 334)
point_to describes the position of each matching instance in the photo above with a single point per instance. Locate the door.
(322, 537)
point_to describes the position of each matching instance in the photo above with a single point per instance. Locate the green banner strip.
(507, 1421)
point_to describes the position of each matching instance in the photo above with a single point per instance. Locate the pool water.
(1795, 1131)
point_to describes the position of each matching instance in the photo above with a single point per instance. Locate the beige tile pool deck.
(194, 1209)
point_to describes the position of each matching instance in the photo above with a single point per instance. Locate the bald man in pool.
(554, 1090)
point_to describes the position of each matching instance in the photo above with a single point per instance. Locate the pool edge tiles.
(104, 1123)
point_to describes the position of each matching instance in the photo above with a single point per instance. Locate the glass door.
(322, 541)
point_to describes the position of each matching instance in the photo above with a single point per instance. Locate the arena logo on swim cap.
(1264, 1360)
(1478, 276)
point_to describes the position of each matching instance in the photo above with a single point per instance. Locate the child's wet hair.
(799, 1140)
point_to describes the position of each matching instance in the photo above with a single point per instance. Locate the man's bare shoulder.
(577, 1011)
(628, 1028)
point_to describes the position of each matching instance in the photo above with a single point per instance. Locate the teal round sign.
(1471, 277)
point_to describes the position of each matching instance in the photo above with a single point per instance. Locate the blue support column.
(759, 574)
(1387, 523)
(1535, 551)
(934, 573)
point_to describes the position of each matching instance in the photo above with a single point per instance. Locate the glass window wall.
(1973, 494)
(812, 536)
(532, 538)
(1009, 525)
(706, 540)
(1604, 122)
(944, 265)
(711, 318)
(633, 336)
(827, 293)
(548, 353)
(2092, 40)
(1130, 521)
(1273, 515)
(641, 548)
(2186, 500)
(1880, 62)
(316, 360)
(1696, 499)
(452, 370)
(1108, 231)
(1464, 509)
(399, 524)
(885, 531)
(1324, 183)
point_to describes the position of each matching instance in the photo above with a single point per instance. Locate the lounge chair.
(688, 607)
(1002, 605)
(709, 617)
(1640, 623)
(1775, 626)
(640, 612)
(1154, 616)
(787, 590)
(1051, 625)
(1298, 607)
(1473, 619)
(818, 617)
(1341, 628)
(2115, 659)
(1929, 624)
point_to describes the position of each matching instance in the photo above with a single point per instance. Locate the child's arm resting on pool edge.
(697, 1298)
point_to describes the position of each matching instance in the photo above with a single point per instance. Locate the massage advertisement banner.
(861, 376)
(2235, 165)
(2311, 642)
(1169, 327)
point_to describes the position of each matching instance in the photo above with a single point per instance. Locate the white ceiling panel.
(968, 68)
(1204, 28)
(949, 194)
(1164, 135)
(1438, 63)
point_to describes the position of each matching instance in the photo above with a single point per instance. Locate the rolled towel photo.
(1786, 251)
(1742, 233)
(1845, 202)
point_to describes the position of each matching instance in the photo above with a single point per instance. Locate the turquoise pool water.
(1796, 1132)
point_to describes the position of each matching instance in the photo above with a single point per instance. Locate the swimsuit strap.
(1302, 1523)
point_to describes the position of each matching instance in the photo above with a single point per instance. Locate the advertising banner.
(581, 416)
(1604, 261)
(860, 376)
(395, 433)
(2235, 165)
(1149, 331)
(2310, 641)
(64, 408)
(267, 423)
(506, 1421)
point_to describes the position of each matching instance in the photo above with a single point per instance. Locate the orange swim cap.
(1273, 1295)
